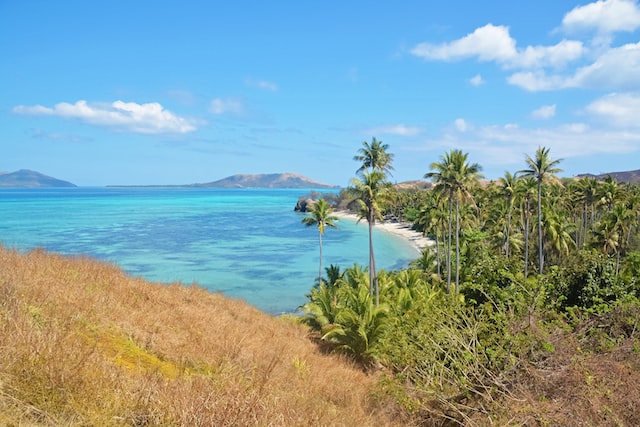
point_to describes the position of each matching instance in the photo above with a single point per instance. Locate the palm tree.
(376, 161)
(609, 192)
(322, 218)
(508, 183)
(367, 191)
(543, 169)
(454, 175)
(431, 220)
(374, 156)
(443, 176)
(525, 188)
(620, 220)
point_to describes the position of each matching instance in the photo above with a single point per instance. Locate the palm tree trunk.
(320, 269)
(508, 226)
(437, 252)
(373, 279)
(526, 239)
(540, 247)
(457, 244)
(449, 243)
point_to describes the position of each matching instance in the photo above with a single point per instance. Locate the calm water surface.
(246, 243)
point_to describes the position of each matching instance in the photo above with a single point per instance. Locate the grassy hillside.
(84, 344)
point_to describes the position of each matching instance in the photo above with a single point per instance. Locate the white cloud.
(618, 68)
(262, 84)
(220, 106)
(477, 80)
(544, 112)
(149, 118)
(535, 81)
(504, 146)
(461, 125)
(619, 109)
(494, 43)
(488, 43)
(549, 56)
(398, 130)
(604, 16)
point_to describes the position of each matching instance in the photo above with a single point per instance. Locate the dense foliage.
(512, 261)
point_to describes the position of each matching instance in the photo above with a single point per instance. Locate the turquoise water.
(246, 243)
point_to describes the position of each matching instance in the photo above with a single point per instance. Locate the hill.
(632, 177)
(274, 180)
(30, 179)
(85, 344)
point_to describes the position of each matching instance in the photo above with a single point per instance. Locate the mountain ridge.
(630, 177)
(25, 178)
(271, 180)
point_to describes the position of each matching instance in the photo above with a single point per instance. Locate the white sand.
(401, 229)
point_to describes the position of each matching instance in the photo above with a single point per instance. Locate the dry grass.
(81, 343)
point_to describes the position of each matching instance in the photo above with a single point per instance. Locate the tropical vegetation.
(456, 328)
(525, 310)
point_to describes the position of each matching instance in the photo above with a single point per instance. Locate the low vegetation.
(84, 344)
(525, 311)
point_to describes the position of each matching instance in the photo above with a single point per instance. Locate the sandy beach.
(398, 228)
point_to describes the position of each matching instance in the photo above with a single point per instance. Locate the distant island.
(271, 180)
(30, 179)
(630, 177)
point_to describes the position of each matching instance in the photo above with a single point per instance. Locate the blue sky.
(170, 92)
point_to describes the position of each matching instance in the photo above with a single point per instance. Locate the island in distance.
(270, 180)
(25, 178)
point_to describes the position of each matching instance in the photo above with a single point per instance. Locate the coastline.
(402, 229)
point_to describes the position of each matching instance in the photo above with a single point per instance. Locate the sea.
(245, 243)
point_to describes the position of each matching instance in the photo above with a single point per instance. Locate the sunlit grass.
(84, 344)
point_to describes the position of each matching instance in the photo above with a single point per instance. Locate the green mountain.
(273, 180)
(30, 179)
(627, 176)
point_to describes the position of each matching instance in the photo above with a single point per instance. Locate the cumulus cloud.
(494, 43)
(544, 112)
(461, 125)
(592, 63)
(506, 145)
(149, 118)
(488, 43)
(603, 16)
(262, 84)
(477, 80)
(618, 68)
(618, 109)
(398, 130)
(220, 106)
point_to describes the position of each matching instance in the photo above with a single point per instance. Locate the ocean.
(246, 243)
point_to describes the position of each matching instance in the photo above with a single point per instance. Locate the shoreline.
(401, 229)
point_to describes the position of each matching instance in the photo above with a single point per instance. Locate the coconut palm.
(367, 191)
(525, 189)
(374, 156)
(585, 194)
(508, 184)
(543, 169)
(620, 220)
(453, 175)
(431, 220)
(320, 216)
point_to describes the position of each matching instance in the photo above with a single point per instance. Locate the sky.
(181, 92)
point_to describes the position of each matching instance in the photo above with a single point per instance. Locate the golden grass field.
(84, 344)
